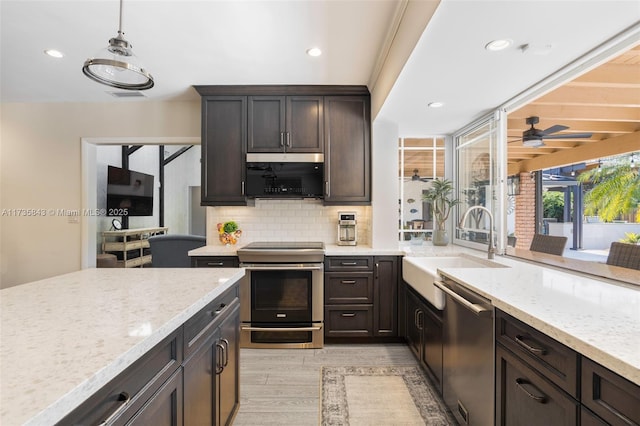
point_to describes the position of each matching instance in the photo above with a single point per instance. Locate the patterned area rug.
(380, 396)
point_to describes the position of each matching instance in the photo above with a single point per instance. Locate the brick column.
(525, 211)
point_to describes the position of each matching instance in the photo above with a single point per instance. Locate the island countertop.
(64, 338)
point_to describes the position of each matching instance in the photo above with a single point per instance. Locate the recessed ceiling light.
(499, 44)
(435, 104)
(54, 53)
(314, 51)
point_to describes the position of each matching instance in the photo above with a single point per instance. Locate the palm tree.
(615, 191)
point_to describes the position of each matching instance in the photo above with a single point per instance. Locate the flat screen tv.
(129, 193)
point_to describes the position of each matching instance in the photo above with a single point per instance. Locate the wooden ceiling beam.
(596, 96)
(622, 75)
(560, 113)
(614, 146)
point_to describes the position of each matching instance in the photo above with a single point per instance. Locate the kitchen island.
(66, 337)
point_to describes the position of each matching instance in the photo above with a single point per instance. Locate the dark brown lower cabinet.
(524, 397)
(211, 374)
(424, 334)
(611, 397)
(360, 296)
(165, 407)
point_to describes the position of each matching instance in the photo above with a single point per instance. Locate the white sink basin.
(421, 272)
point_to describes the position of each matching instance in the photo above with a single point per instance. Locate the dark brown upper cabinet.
(347, 160)
(285, 124)
(224, 137)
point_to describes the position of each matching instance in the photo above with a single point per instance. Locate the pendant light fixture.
(117, 66)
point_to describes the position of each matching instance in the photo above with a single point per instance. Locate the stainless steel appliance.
(468, 373)
(285, 175)
(347, 231)
(282, 295)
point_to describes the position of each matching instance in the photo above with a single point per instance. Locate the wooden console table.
(128, 240)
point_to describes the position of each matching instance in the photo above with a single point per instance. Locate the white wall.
(385, 188)
(40, 168)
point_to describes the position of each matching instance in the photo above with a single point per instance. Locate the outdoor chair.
(624, 255)
(548, 244)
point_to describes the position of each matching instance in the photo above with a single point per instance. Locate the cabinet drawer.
(348, 321)
(522, 393)
(610, 396)
(348, 288)
(215, 262)
(344, 263)
(198, 328)
(136, 384)
(554, 360)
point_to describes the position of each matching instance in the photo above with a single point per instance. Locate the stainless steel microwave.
(285, 176)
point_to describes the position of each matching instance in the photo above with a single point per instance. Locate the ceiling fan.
(535, 137)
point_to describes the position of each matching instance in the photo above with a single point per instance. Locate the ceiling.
(186, 43)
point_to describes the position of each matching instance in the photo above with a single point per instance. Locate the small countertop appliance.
(347, 231)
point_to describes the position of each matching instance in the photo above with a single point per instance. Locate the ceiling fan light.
(533, 143)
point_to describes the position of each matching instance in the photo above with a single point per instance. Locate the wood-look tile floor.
(282, 386)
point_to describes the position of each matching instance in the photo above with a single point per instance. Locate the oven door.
(282, 306)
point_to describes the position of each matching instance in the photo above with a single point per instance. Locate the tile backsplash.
(287, 220)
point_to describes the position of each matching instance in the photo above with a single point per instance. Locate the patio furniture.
(624, 255)
(548, 244)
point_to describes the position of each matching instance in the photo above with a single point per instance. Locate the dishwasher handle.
(477, 309)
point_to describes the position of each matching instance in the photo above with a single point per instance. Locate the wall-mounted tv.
(129, 193)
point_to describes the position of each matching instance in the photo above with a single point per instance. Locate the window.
(421, 161)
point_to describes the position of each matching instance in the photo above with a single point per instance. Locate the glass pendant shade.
(117, 66)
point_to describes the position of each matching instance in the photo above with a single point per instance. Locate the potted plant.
(439, 196)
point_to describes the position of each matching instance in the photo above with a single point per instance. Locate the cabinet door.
(523, 395)
(432, 346)
(385, 285)
(266, 124)
(200, 384)
(414, 320)
(304, 124)
(347, 130)
(224, 136)
(165, 407)
(228, 389)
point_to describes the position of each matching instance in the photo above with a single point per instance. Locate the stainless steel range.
(281, 296)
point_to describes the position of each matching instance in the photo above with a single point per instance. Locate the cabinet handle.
(226, 351)
(123, 399)
(282, 139)
(348, 281)
(420, 320)
(289, 139)
(377, 267)
(348, 315)
(521, 383)
(217, 311)
(326, 189)
(215, 264)
(349, 263)
(242, 188)
(219, 357)
(538, 351)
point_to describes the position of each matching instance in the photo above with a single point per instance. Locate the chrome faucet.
(492, 249)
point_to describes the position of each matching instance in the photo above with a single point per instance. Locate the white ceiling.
(185, 43)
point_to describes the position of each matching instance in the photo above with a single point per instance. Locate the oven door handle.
(282, 266)
(249, 328)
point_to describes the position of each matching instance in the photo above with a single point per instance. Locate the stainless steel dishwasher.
(468, 355)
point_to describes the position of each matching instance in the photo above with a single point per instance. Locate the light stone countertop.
(65, 337)
(598, 318)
